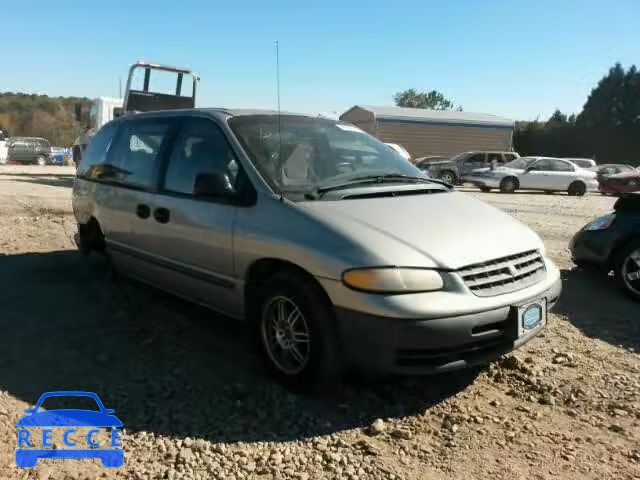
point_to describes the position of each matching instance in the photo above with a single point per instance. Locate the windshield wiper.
(369, 179)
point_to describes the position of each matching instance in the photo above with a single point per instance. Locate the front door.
(192, 237)
(536, 177)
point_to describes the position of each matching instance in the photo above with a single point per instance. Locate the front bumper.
(482, 181)
(595, 246)
(434, 345)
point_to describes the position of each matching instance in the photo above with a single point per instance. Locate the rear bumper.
(428, 346)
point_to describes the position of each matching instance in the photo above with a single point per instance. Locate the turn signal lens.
(393, 280)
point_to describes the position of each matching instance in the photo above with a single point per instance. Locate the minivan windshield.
(297, 154)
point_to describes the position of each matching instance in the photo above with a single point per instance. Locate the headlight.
(393, 280)
(601, 223)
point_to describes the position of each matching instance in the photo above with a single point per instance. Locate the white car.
(535, 173)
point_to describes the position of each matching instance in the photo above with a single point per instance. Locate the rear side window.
(201, 147)
(478, 158)
(559, 166)
(95, 157)
(135, 155)
(509, 156)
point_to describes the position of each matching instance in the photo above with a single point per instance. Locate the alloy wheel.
(631, 271)
(285, 334)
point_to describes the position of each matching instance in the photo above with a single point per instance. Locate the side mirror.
(214, 185)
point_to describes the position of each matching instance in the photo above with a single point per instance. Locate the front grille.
(504, 275)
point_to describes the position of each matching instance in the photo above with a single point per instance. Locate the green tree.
(615, 101)
(557, 118)
(433, 100)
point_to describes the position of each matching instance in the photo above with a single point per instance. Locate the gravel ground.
(196, 403)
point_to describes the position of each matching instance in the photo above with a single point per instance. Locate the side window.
(201, 147)
(96, 154)
(476, 159)
(559, 166)
(495, 157)
(543, 165)
(509, 157)
(136, 153)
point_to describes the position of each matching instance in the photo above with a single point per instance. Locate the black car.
(29, 150)
(613, 242)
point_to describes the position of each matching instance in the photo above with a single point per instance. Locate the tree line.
(607, 129)
(31, 115)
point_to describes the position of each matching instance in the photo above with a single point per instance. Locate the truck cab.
(150, 87)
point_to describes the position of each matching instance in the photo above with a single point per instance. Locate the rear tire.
(296, 334)
(509, 185)
(447, 176)
(577, 189)
(627, 263)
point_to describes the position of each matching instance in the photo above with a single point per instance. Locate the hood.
(439, 230)
(440, 162)
(631, 174)
(497, 171)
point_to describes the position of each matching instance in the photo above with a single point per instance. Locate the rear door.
(562, 175)
(192, 236)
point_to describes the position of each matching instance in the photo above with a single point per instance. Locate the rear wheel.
(577, 189)
(627, 269)
(509, 185)
(447, 176)
(295, 330)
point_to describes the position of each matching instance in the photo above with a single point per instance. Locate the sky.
(516, 58)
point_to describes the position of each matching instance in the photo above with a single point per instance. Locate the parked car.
(469, 161)
(607, 169)
(536, 173)
(438, 167)
(29, 150)
(400, 149)
(620, 183)
(292, 223)
(583, 162)
(60, 156)
(613, 242)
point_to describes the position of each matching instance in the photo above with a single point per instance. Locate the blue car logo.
(27, 453)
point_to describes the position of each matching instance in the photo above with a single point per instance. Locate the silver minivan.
(336, 250)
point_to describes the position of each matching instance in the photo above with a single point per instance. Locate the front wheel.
(627, 269)
(41, 160)
(508, 185)
(447, 177)
(296, 334)
(577, 189)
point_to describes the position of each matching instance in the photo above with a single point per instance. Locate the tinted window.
(96, 153)
(560, 166)
(543, 165)
(201, 147)
(477, 158)
(509, 156)
(495, 157)
(136, 154)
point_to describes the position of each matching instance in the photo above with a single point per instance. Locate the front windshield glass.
(297, 154)
(520, 163)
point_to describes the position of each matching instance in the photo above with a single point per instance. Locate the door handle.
(143, 211)
(161, 215)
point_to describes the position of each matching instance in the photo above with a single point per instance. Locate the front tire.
(41, 160)
(508, 185)
(577, 189)
(447, 176)
(627, 269)
(296, 331)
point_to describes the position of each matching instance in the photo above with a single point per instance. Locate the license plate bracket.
(531, 316)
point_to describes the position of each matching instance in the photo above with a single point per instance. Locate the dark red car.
(619, 184)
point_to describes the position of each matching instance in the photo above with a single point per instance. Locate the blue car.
(28, 457)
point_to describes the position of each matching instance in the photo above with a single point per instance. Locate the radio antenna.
(280, 162)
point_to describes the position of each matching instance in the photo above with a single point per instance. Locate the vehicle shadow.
(593, 303)
(50, 179)
(165, 365)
